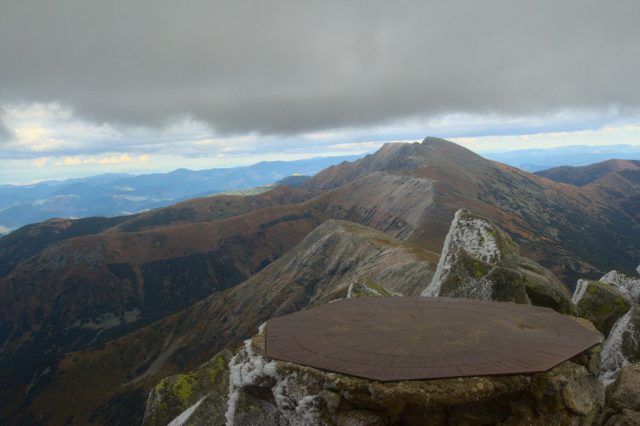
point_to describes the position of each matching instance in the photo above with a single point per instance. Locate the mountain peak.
(441, 157)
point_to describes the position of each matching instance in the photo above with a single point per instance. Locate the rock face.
(612, 305)
(622, 346)
(202, 389)
(601, 303)
(628, 286)
(268, 392)
(623, 398)
(480, 261)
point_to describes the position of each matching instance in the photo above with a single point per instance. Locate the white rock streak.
(623, 332)
(581, 288)
(184, 416)
(613, 358)
(350, 291)
(248, 367)
(628, 286)
(245, 372)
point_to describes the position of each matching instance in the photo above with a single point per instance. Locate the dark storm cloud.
(291, 66)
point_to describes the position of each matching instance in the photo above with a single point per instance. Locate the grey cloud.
(5, 133)
(282, 67)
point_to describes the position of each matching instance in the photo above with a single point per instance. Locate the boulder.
(628, 286)
(200, 393)
(623, 398)
(269, 392)
(622, 346)
(600, 303)
(480, 261)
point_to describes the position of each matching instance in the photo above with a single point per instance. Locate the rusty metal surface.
(410, 338)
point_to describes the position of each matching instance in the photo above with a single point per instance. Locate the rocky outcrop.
(203, 390)
(480, 261)
(612, 305)
(628, 286)
(623, 398)
(269, 392)
(622, 346)
(601, 303)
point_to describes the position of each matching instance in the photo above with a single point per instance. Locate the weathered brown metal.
(410, 338)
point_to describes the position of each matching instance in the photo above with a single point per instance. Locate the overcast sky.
(94, 86)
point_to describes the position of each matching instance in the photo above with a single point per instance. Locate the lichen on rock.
(622, 346)
(270, 392)
(601, 303)
(628, 286)
(623, 398)
(480, 261)
(206, 387)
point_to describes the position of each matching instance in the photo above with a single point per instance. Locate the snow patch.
(184, 416)
(581, 288)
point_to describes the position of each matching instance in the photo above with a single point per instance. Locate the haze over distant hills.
(534, 160)
(120, 194)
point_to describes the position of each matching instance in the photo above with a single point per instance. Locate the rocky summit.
(254, 389)
(251, 388)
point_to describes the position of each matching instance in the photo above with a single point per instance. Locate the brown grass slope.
(93, 287)
(108, 385)
(584, 175)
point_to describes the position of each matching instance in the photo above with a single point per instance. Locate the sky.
(139, 86)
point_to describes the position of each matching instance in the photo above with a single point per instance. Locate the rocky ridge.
(338, 259)
(270, 392)
(480, 261)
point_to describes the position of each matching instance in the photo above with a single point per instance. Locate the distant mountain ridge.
(584, 175)
(538, 159)
(73, 285)
(121, 194)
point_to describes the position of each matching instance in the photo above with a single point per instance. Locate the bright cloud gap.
(50, 138)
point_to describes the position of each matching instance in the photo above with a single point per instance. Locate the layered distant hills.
(585, 175)
(121, 302)
(119, 194)
(535, 160)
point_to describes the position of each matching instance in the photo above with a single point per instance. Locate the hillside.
(118, 194)
(540, 159)
(584, 175)
(69, 287)
(335, 259)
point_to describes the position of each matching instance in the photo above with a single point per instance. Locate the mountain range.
(121, 194)
(95, 311)
(538, 159)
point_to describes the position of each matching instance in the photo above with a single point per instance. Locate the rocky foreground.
(255, 390)
(478, 261)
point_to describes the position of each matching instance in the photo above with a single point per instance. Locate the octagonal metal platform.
(412, 338)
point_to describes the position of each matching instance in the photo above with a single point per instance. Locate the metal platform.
(411, 338)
